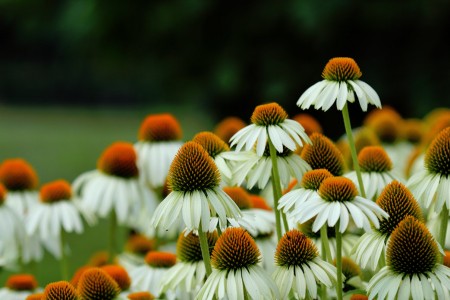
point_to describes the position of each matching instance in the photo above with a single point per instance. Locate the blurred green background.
(76, 76)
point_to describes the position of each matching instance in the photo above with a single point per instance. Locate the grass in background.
(63, 142)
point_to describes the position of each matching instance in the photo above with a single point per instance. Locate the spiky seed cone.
(338, 189)
(386, 123)
(119, 160)
(239, 196)
(313, 179)
(61, 290)
(398, 202)
(374, 159)
(160, 259)
(76, 276)
(96, 284)
(228, 127)
(188, 247)
(295, 249)
(119, 274)
(18, 175)
(309, 123)
(211, 143)
(413, 130)
(341, 69)
(141, 296)
(159, 128)
(411, 248)
(268, 114)
(55, 191)
(21, 282)
(235, 249)
(193, 169)
(437, 157)
(323, 154)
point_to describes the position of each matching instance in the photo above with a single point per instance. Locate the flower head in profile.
(114, 187)
(236, 271)
(21, 181)
(60, 290)
(341, 84)
(376, 170)
(398, 202)
(270, 121)
(299, 269)
(432, 185)
(196, 194)
(159, 139)
(19, 286)
(413, 269)
(338, 200)
(189, 273)
(96, 284)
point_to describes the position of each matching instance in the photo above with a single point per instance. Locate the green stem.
(112, 236)
(351, 142)
(63, 260)
(326, 252)
(443, 227)
(339, 262)
(205, 250)
(276, 190)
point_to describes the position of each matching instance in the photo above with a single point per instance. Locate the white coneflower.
(19, 286)
(398, 202)
(299, 268)
(159, 139)
(236, 272)
(189, 273)
(121, 277)
(338, 200)
(376, 170)
(148, 276)
(20, 179)
(270, 121)
(413, 269)
(340, 85)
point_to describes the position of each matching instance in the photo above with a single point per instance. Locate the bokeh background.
(76, 76)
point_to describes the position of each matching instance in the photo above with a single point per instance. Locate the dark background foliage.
(223, 56)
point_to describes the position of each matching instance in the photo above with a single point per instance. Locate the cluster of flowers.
(270, 210)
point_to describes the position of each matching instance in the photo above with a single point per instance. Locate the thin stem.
(205, 250)
(326, 252)
(63, 260)
(112, 236)
(339, 262)
(276, 190)
(443, 227)
(351, 142)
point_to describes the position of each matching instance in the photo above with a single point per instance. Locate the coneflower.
(60, 290)
(228, 127)
(376, 170)
(159, 139)
(236, 271)
(413, 269)
(299, 268)
(120, 276)
(19, 286)
(96, 284)
(432, 185)
(309, 123)
(397, 201)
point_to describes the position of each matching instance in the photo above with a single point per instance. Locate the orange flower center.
(211, 143)
(268, 114)
(338, 189)
(313, 179)
(96, 284)
(437, 157)
(139, 244)
(193, 169)
(228, 127)
(374, 159)
(341, 69)
(60, 290)
(188, 247)
(21, 282)
(119, 160)
(295, 249)
(58, 190)
(259, 202)
(239, 196)
(386, 123)
(119, 274)
(141, 296)
(235, 249)
(159, 259)
(18, 175)
(160, 127)
(309, 123)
